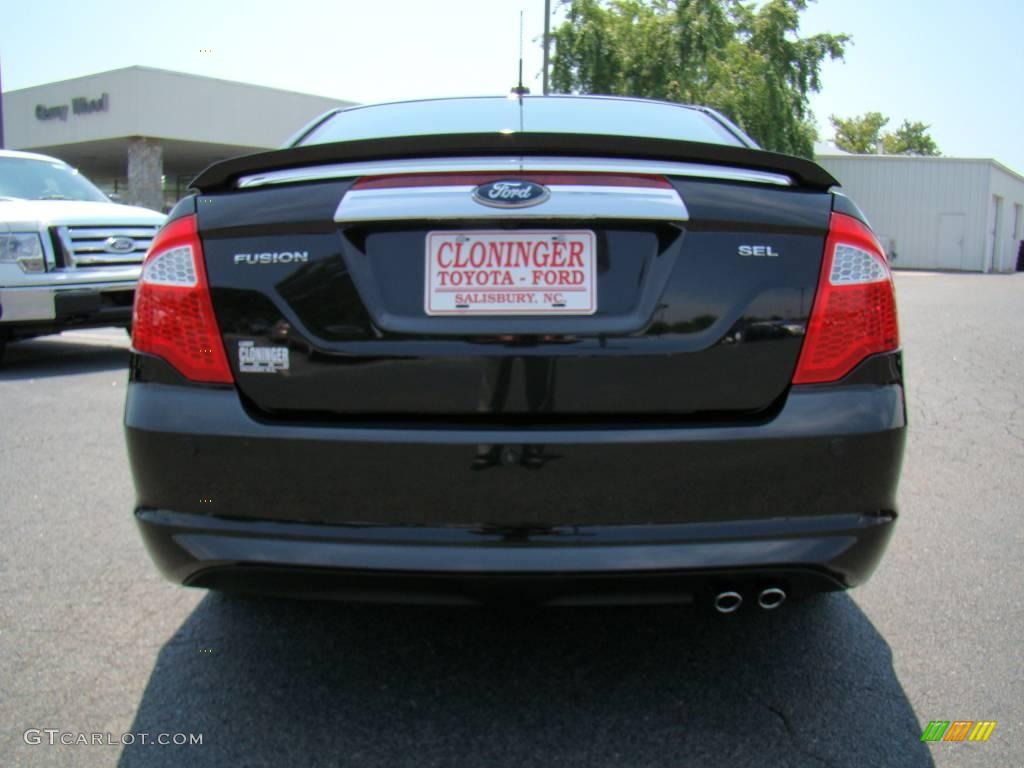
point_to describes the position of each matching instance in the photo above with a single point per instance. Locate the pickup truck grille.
(104, 245)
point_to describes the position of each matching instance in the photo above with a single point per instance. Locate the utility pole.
(547, 44)
(1, 112)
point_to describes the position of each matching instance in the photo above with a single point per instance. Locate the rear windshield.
(609, 117)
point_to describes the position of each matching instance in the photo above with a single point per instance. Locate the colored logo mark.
(958, 730)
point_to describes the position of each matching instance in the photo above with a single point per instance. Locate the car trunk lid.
(701, 286)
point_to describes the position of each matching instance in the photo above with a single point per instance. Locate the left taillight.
(173, 315)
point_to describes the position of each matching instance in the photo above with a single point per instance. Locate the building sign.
(79, 106)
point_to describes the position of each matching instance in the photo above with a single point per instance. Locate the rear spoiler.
(222, 175)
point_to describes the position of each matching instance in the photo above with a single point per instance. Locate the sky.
(956, 66)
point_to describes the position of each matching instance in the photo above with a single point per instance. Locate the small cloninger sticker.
(253, 359)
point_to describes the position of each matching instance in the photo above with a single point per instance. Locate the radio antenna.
(520, 90)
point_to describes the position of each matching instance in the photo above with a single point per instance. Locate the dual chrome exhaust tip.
(728, 602)
(768, 599)
(771, 598)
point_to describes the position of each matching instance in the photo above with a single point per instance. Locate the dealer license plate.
(511, 272)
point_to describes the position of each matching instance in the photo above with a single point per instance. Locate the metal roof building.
(941, 213)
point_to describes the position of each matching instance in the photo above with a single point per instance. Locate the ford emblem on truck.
(511, 193)
(119, 245)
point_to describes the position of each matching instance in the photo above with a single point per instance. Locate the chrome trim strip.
(511, 164)
(89, 246)
(566, 202)
(49, 252)
(92, 260)
(67, 246)
(102, 233)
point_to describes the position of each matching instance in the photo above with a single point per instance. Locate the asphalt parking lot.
(92, 640)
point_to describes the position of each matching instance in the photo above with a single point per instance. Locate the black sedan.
(562, 350)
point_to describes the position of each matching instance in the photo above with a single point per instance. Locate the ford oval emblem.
(511, 193)
(119, 244)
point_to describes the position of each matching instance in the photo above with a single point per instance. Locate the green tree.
(860, 135)
(745, 59)
(910, 139)
(863, 136)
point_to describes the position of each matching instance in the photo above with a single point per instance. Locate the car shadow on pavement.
(289, 683)
(55, 356)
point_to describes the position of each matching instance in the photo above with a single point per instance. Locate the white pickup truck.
(69, 257)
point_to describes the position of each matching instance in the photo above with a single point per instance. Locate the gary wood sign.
(78, 106)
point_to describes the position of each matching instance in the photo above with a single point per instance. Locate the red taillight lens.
(854, 312)
(173, 316)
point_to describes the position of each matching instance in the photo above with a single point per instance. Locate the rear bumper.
(580, 565)
(227, 500)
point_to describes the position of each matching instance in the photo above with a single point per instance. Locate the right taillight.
(173, 316)
(854, 312)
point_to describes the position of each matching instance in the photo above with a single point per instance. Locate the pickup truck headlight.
(24, 249)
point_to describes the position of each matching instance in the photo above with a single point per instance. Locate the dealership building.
(142, 134)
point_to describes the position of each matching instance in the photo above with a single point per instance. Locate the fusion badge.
(282, 257)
